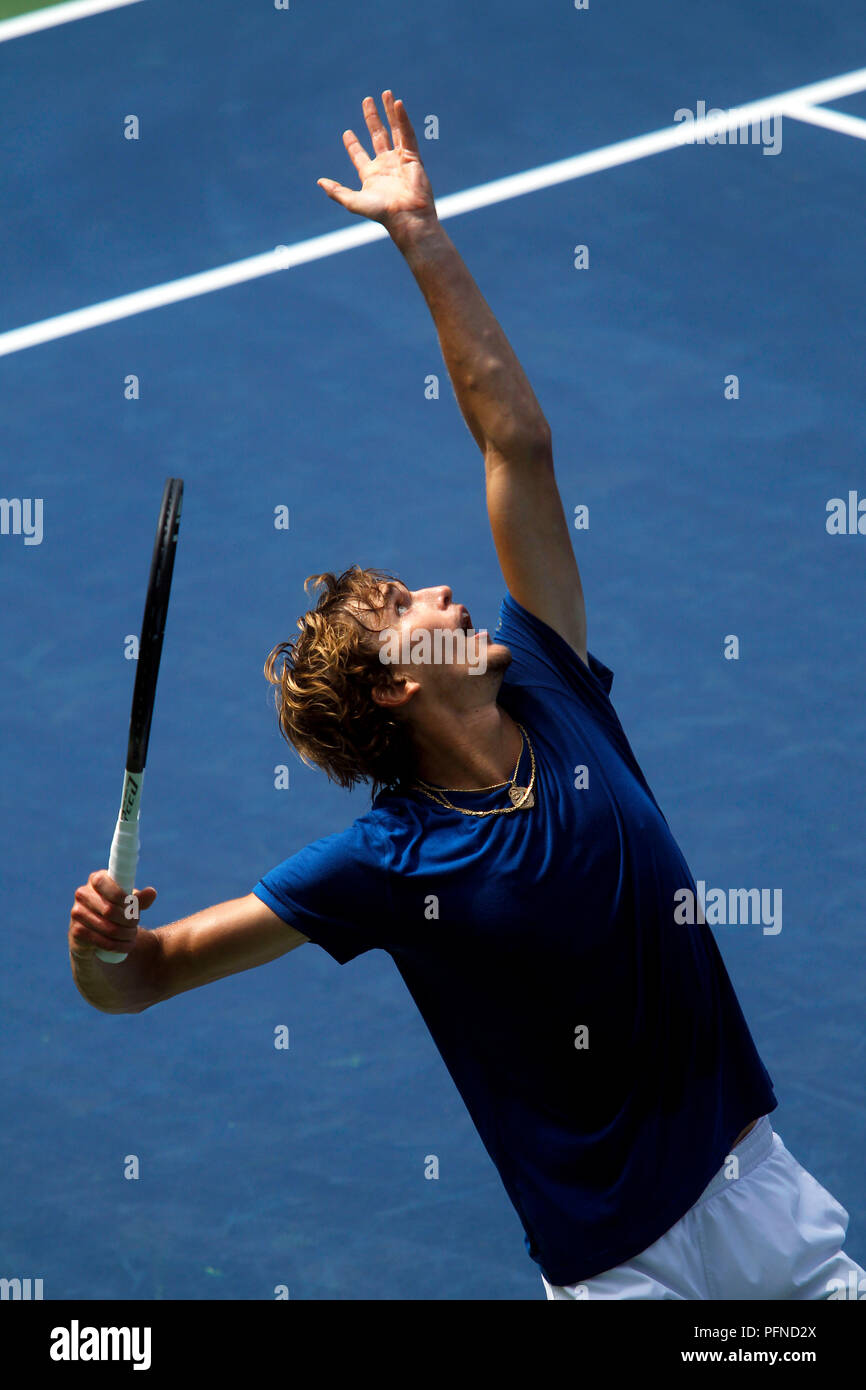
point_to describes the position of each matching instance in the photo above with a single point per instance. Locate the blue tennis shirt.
(599, 1046)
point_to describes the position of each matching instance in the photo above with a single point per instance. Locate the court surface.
(305, 388)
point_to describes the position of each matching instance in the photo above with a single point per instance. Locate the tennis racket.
(123, 860)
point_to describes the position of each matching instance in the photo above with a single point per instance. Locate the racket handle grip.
(122, 865)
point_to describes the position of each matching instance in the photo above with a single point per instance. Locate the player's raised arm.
(527, 519)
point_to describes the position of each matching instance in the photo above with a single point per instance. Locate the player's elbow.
(520, 445)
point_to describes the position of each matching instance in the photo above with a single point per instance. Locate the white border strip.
(52, 15)
(173, 291)
(484, 195)
(831, 120)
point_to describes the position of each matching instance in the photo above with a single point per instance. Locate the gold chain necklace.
(522, 798)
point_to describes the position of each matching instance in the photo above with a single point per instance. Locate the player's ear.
(394, 692)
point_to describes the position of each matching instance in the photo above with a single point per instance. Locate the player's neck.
(470, 748)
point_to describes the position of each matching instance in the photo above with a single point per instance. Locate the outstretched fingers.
(378, 133)
(356, 152)
(401, 126)
(403, 137)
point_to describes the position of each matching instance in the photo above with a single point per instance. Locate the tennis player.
(517, 868)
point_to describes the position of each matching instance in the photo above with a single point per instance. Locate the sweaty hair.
(324, 686)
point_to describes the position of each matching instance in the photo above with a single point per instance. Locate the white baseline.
(798, 103)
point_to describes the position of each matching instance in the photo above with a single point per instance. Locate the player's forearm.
(124, 987)
(492, 390)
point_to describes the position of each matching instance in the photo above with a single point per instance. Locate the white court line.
(832, 120)
(452, 205)
(22, 24)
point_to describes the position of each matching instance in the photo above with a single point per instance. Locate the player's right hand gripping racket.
(123, 861)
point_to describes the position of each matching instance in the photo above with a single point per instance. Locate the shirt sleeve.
(335, 891)
(541, 657)
(542, 660)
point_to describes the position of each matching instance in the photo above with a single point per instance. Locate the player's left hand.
(395, 189)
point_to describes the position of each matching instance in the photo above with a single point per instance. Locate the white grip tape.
(123, 860)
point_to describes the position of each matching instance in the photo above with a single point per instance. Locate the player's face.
(425, 635)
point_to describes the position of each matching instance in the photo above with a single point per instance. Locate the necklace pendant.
(518, 794)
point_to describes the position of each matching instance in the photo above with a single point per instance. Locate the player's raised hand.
(395, 189)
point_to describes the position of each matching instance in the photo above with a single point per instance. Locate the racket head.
(153, 624)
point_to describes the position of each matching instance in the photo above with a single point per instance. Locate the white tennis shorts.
(771, 1232)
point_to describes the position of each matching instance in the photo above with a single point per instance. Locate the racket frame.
(123, 859)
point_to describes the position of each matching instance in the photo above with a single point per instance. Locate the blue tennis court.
(701, 365)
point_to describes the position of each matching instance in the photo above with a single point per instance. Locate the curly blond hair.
(324, 686)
